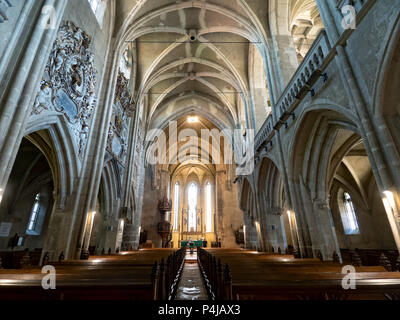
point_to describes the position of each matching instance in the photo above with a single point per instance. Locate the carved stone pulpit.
(164, 227)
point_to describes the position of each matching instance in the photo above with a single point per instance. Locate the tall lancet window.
(176, 206)
(208, 207)
(33, 219)
(192, 202)
(349, 218)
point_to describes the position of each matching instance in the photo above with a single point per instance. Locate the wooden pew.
(20, 259)
(371, 257)
(133, 276)
(281, 277)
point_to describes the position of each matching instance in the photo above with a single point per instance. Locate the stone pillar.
(93, 162)
(287, 57)
(276, 237)
(219, 185)
(308, 229)
(20, 91)
(128, 238)
(293, 229)
(88, 233)
(135, 231)
(329, 243)
(263, 220)
(53, 232)
(165, 189)
(328, 20)
(127, 215)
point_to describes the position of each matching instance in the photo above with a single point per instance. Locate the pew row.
(133, 276)
(245, 275)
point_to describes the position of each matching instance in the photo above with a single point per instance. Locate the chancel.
(200, 150)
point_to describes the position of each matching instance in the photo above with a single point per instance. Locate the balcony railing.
(300, 84)
(305, 76)
(266, 132)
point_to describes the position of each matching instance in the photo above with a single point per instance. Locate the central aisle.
(191, 285)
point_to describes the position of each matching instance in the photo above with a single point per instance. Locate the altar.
(192, 216)
(196, 243)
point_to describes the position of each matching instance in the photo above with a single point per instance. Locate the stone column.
(21, 89)
(93, 162)
(88, 233)
(329, 243)
(220, 218)
(306, 225)
(165, 188)
(275, 218)
(52, 233)
(128, 238)
(134, 231)
(130, 229)
(293, 229)
(328, 20)
(263, 220)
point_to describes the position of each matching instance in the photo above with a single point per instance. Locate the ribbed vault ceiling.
(192, 57)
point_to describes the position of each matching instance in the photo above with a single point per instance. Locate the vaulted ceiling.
(192, 56)
(204, 57)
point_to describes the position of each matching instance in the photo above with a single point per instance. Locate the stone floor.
(191, 285)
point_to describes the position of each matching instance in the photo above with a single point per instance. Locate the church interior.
(199, 150)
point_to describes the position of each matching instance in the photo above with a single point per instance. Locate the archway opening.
(339, 203)
(356, 204)
(27, 201)
(277, 221)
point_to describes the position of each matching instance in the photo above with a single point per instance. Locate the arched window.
(348, 215)
(208, 208)
(176, 206)
(34, 214)
(192, 201)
